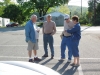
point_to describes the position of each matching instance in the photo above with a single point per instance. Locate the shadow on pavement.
(40, 60)
(57, 65)
(11, 29)
(63, 68)
(70, 71)
(46, 61)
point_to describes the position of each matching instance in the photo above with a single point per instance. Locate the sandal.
(75, 65)
(72, 64)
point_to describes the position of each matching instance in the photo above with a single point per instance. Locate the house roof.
(56, 14)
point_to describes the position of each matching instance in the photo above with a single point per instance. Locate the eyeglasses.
(66, 19)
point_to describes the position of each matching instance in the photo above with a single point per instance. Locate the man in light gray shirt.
(66, 38)
(49, 29)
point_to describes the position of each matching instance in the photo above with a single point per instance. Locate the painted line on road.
(19, 45)
(80, 70)
(48, 57)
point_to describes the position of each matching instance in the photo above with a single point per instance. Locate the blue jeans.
(48, 38)
(66, 41)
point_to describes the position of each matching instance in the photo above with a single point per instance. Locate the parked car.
(12, 24)
(24, 68)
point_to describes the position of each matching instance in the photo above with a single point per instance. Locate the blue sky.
(78, 3)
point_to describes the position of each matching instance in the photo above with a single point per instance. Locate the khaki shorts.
(32, 46)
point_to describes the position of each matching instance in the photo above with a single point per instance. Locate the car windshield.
(11, 22)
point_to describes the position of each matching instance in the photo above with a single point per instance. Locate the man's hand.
(65, 30)
(38, 31)
(52, 33)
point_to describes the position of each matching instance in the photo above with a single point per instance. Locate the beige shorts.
(32, 46)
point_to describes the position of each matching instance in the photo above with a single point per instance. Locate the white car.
(24, 68)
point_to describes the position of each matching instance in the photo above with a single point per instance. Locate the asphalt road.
(13, 48)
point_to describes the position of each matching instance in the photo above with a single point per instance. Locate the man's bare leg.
(30, 53)
(35, 53)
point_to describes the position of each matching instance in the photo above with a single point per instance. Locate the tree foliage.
(42, 6)
(3, 5)
(91, 13)
(97, 21)
(14, 13)
(62, 8)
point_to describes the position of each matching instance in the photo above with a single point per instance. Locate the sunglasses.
(66, 19)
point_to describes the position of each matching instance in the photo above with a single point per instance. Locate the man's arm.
(54, 29)
(43, 29)
(74, 29)
(27, 31)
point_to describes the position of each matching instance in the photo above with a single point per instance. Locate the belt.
(67, 36)
(47, 33)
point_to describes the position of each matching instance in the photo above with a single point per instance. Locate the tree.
(6, 2)
(94, 11)
(64, 9)
(1, 8)
(14, 13)
(3, 5)
(42, 6)
(97, 21)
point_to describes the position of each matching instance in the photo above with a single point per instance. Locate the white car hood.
(24, 68)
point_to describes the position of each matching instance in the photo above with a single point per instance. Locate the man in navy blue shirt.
(76, 36)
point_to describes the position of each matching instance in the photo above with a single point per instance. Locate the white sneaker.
(69, 61)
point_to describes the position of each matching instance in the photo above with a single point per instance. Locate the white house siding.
(0, 21)
(5, 21)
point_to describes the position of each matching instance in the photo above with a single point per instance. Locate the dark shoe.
(31, 60)
(62, 59)
(45, 56)
(37, 59)
(72, 64)
(75, 65)
(69, 61)
(52, 57)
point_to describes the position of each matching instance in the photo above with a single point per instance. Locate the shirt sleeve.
(27, 32)
(74, 29)
(54, 28)
(43, 28)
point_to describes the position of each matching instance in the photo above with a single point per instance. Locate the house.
(0, 21)
(4, 21)
(57, 17)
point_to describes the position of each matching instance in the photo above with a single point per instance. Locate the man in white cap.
(66, 38)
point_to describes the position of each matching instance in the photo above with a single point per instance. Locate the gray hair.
(49, 15)
(33, 16)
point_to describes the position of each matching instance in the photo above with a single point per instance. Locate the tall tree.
(4, 4)
(14, 13)
(42, 6)
(64, 9)
(7, 2)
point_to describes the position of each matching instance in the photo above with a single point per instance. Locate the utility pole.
(94, 11)
(81, 7)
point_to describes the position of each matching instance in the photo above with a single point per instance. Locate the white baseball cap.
(49, 15)
(66, 16)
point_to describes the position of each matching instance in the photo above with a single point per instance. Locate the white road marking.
(80, 70)
(48, 57)
(20, 45)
